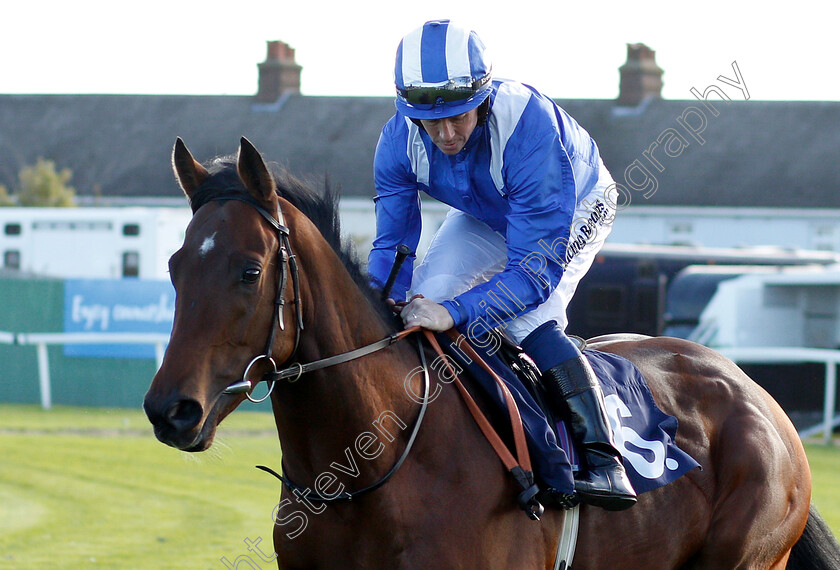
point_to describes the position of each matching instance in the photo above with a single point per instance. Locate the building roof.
(753, 153)
(120, 145)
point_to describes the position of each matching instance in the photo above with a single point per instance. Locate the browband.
(212, 193)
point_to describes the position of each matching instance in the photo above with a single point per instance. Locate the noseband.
(286, 264)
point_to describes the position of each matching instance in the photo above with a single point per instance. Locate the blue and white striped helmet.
(442, 70)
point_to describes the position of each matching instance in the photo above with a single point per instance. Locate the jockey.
(532, 204)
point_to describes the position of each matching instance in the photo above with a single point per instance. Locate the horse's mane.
(320, 206)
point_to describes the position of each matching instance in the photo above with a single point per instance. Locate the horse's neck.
(345, 427)
(331, 412)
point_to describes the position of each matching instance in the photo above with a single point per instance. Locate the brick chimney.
(641, 78)
(279, 73)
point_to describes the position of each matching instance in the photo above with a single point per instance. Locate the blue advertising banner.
(117, 305)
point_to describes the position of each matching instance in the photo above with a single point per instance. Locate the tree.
(42, 185)
(5, 199)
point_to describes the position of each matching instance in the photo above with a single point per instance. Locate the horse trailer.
(91, 242)
(627, 288)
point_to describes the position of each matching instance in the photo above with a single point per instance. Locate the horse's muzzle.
(175, 421)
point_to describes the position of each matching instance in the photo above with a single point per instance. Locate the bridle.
(286, 266)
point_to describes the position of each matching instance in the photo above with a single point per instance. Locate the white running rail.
(756, 355)
(794, 355)
(42, 340)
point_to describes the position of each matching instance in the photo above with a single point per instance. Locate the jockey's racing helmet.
(442, 70)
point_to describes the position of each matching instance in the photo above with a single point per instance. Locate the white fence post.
(828, 404)
(44, 376)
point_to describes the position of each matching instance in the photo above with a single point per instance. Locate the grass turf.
(84, 488)
(92, 488)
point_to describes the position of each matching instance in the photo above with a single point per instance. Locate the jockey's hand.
(427, 314)
(396, 306)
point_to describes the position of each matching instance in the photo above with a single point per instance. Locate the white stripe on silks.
(416, 151)
(457, 53)
(508, 106)
(411, 66)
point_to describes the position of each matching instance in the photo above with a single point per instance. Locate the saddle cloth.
(643, 433)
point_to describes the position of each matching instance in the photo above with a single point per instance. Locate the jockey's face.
(452, 133)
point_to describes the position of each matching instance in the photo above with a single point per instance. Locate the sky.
(569, 50)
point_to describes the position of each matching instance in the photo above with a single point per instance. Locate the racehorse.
(263, 281)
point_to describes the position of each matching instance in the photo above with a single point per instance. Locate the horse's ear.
(253, 172)
(189, 173)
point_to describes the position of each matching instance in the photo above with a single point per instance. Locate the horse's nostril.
(184, 415)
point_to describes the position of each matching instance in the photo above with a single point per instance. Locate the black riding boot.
(573, 387)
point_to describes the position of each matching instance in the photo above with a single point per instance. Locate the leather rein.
(287, 266)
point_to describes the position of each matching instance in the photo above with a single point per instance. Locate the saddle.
(521, 365)
(644, 434)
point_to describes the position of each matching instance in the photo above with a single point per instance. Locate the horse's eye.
(251, 275)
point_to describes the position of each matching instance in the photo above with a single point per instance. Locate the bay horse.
(263, 280)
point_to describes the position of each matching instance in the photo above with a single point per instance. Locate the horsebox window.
(131, 230)
(13, 229)
(11, 259)
(131, 264)
(72, 226)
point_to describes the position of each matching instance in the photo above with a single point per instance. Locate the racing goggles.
(453, 91)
